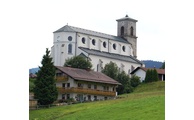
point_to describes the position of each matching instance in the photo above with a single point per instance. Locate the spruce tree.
(148, 76)
(155, 75)
(45, 89)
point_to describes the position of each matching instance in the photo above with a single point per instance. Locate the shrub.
(135, 81)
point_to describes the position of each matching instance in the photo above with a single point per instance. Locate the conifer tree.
(45, 89)
(155, 75)
(148, 76)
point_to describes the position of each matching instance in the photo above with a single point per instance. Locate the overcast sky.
(27, 26)
(31, 23)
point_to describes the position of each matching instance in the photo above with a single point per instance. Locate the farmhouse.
(84, 85)
(141, 72)
(99, 48)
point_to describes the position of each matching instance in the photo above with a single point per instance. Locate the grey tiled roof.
(111, 55)
(68, 28)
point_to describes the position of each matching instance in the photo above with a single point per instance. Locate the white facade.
(140, 73)
(68, 40)
(71, 90)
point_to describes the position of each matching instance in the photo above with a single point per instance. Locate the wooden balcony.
(61, 78)
(86, 91)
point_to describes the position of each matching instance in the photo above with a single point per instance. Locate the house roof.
(68, 28)
(111, 55)
(159, 71)
(87, 75)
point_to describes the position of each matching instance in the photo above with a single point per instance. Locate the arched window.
(131, 30)
(94, 42)
(83, 40)
(123, 48)
(70, 49)
(122, 31)
(104, 44)
(114, 46)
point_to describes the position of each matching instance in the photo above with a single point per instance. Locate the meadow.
(147, 102)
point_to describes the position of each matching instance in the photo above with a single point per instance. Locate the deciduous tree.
(111, 70)
(78, 62)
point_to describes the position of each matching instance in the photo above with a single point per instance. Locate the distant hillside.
(152, 64)
(33, 70)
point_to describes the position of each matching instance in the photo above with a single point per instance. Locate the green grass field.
(147, 102)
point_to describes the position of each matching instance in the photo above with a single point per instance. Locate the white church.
(99, 48)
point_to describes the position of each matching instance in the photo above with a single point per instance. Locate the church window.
(58, 37)
(123, 48)
(132, 67)
(83, 40)
(70, 38)
(104, 44)
(62, 45)
(114, 46)
(93, 41)
(70, 49)
(129, 71)
(122, 31)
(131, 29)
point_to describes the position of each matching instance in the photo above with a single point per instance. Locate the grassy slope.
(146, 103)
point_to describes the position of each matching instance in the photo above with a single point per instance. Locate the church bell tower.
(126, 28)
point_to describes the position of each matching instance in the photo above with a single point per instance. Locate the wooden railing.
(61, 78)
(86, 91)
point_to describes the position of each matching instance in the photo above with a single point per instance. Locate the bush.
(135, 81)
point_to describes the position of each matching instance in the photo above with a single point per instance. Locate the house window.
(113, 88)
(83, 40)
(105, 98)
(93, 41)
(123, 48)
(59, 74)
(80, 85)
(70, 49)
(63, 96)
(95, 86)
(114, 46)
(89, 97)
(122, 31)
(68, 84)
(95, 97)
(131, 29)
(89, 86)
(106, 88)
(70, 38)
(104, 44)
(63, 85)
(68, 96)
